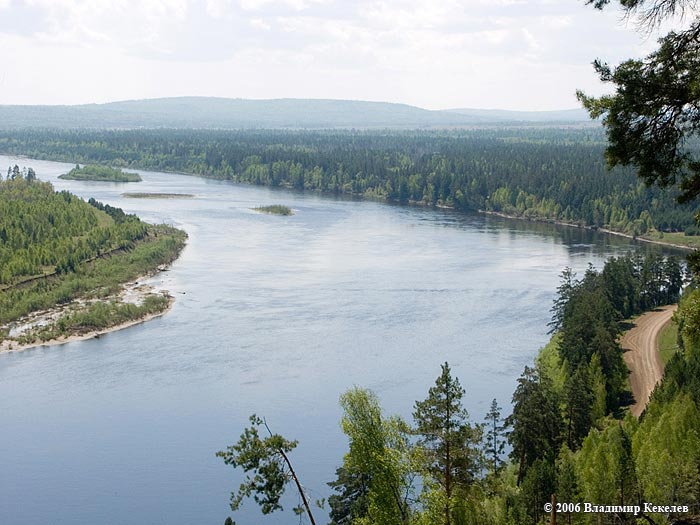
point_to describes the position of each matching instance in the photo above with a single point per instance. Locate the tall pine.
(447, 437)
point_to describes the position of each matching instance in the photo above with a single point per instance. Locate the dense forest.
(55, 247)
(569, 433)
(554, 174)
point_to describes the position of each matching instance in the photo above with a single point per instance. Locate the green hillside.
(56, 248)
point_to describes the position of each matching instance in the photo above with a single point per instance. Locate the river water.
(276, 316)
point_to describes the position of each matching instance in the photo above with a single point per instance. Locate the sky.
(435, 54)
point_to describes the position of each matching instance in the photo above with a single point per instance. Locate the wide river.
(276, 316)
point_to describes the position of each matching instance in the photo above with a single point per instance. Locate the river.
(276, 316)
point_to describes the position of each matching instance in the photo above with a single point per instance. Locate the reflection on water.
(274, 315)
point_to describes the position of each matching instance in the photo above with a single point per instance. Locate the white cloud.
(437, 54)
(218, 8)
(259, 23)
(297, 5)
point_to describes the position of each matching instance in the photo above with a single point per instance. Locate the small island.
(157, 195)
(275, 209)
(100, 173)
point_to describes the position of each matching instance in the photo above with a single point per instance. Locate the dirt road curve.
(642, 354)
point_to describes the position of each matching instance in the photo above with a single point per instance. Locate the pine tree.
(579, 407)
(536, 421)
(495, 439)
(447, 437)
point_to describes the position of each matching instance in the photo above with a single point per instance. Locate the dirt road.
(642, 354)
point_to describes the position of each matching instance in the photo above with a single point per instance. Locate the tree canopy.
(654, 114)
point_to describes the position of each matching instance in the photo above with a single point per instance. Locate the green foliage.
(494, 437)
(352, 499)
(535, 173)
(275, 209)
(579, 399)
(682, 372)
(100, 173)
(447, 439)
(43, 232)
(667, 452)
(54, 248)
(379, 450)
(536, 421)
(97, 278)
(605, 467)
(536, 488)
(587, 314)
(95, 317)
(652, 113)
(668, 341)
(567, 482)
(264, 460)
(551, 366)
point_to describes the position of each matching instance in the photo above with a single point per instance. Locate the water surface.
(277, 316)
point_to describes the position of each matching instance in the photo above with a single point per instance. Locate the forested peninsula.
(64, 263)
(533, 173)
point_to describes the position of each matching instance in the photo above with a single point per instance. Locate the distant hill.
(225, 113)
(565, 115)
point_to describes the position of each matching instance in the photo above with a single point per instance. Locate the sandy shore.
(133, 292)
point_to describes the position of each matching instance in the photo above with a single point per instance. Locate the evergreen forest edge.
(535, 173)
(569, 432)
(577, 384)
(56, 248)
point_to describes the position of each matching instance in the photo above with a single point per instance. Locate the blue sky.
(437, 54)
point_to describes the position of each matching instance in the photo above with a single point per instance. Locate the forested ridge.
(42, 231)
(553, 174)
(55, 248)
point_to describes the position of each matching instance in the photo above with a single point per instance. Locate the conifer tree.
(447, 437)
(536, 421)
(495, 439)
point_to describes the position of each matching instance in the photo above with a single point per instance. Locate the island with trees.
(275, 209)
(99, 173)
(64, 263)
(547, 174)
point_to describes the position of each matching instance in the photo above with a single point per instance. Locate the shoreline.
(94, 334)
(133, 291)
(353, 196)
(589, 228)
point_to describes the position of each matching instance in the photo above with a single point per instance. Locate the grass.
(275, 209)
(95, 317)
(96, 279)
(678, 238)
(668, 342)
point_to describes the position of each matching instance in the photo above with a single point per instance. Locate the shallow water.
(273, 315)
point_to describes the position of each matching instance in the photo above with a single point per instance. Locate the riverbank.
(677, 240)
(75, 268)
(689, 247)
(143, 301)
